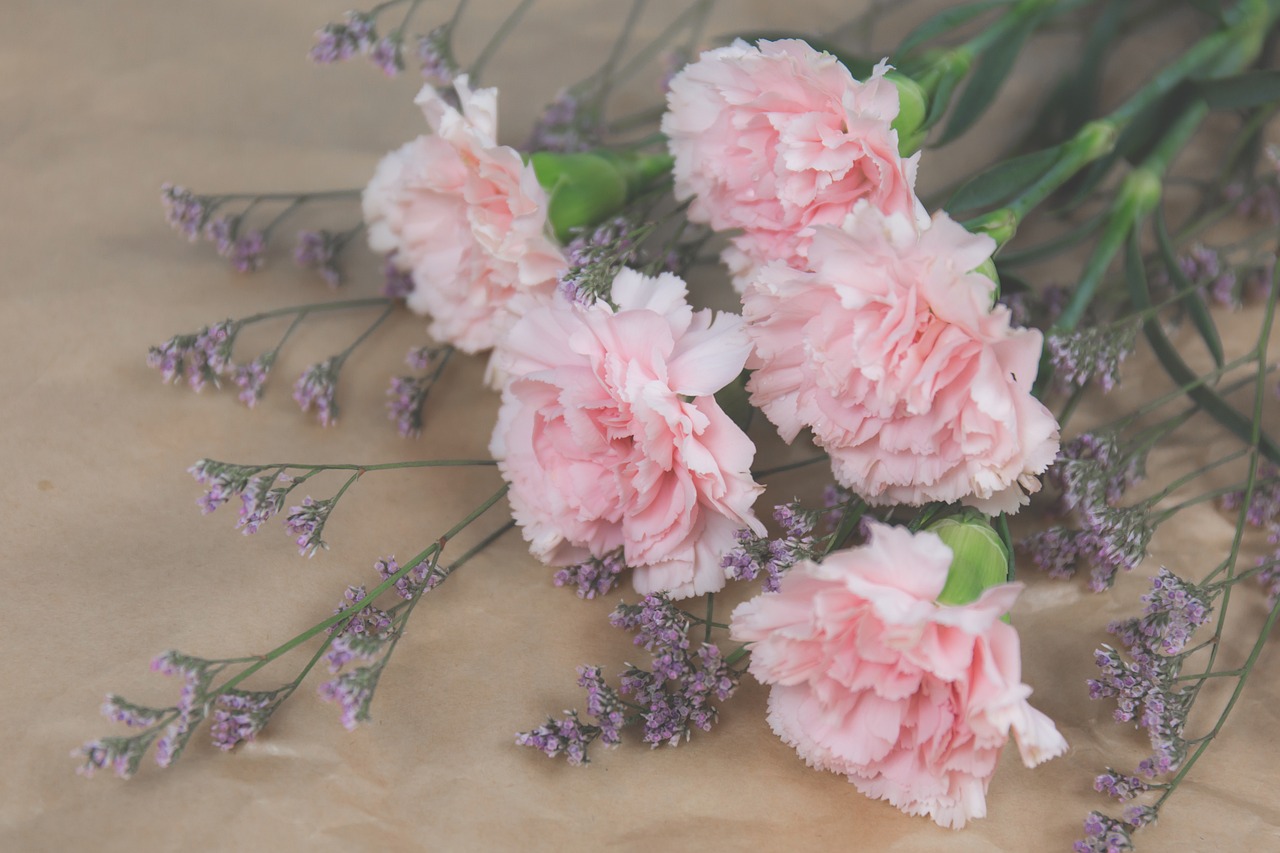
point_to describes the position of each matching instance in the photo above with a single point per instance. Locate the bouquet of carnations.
(906, 343)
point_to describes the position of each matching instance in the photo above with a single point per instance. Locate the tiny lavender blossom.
(315, 389)
(185, 212)
(387, 57)
(1103, 834)
(570, 123)
(251, 378)
(1093, 352)
(596, 576)
(318, 250)
(261, 500)
(247, 253)
(435, 57)
(238, 716)
(396, 283)
(339, 42)
(307, 523)
(756, 554)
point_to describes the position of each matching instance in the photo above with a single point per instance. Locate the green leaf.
(992, 70)
(1003, 181)
(944, 22)
(1176, 368)
(1195, 305)
(942, 96)
(1241, 91)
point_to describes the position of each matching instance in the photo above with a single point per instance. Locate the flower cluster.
(610, 435)
(202, 359)
(465, 217)
(671, 698)
(192, 216)
(873, 679)
(318, 250)
(756, 555)
(595, 576)
(1094, 352)
(596, 256)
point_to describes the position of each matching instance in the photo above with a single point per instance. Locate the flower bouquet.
(660, 312)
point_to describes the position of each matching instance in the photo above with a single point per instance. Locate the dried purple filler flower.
(318, 250)
(387, 57)
(756, 555)
(1093, 352)
(595, 577)
(307, 523)
(186, 213)
(251, 378)
(315, 389)
(435, 57)
(569, 124)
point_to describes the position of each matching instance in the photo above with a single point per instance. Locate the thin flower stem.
(495, 41)
(737, 654)
(711, 607)
(341, 357)
(316, 307)
(398, 33)
(694, 15)
(352, 192)
(382, 466)
(1202, 498)
(606, 72)
(1191, 476)
(433, 548)
(457, 15)
(790, 466)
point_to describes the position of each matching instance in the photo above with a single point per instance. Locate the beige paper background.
(106, 562)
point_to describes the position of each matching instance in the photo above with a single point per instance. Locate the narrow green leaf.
(1195, 305)
(942, 97)
(1240, 91)
(1003, 181)
(944, 22)
(735, 402)
(1050, 247)
(1084, 87)
(1176, 368)
(992, 70)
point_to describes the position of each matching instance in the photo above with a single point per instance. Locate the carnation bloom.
(466, 217)
(872, 678)
(891, 351)
(610, 437)
(779, 138)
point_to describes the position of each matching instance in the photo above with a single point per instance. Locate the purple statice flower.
(659, 625)
(186, 213)
(350, 647)
(1140, 816)
(570, 123)
(596, 255)
(339, 42)
(248, 251)
(1117, 539)
(387, 57)
(1118, 785)
(251, 378)
(435, 57)
(307, 523)
(201, 358)
(315, 389)
(1019, 305)
(318, 250)
(420, 578)
(122, 755)
(565, 736)
(239, 715)
(222, 481)
(421, 358)
(368, 621)
(396, 283)
(1175, 609)
(1093, 352)
(1264, 504)
(1095, 468)
(1205, 268)
(604, 704)
(669, 715)
(261, 500)
(756, 555)
(406, 396)
(193, 702)
(118, 710)
(221, 232)
(1103, 834)
(596, 576)
(352, 691)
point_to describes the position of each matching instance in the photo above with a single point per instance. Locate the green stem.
(341, 357)
(790, 466)
(302, 197)
(711, 610)
(317, 307)
(290, 645)
(495, 41)
(615, 54)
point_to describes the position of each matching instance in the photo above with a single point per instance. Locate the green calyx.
(979, 559)
(584, 189)
(913, 107)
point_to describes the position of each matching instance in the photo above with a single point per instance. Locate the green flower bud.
(979, 559)
(988, 269)
(585, 189)
(913, 106)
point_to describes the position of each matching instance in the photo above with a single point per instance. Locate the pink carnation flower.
(610, 437)
(466, 217)
(872, 678)
(779, 138)
(891, 352)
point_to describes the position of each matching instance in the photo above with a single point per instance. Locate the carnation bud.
(585, 189)
(979, 559)
(913, 106)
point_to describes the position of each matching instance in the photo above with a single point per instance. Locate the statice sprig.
(244, 245)
(677, 693)
(319, 250)
(264, 490)
(407, 395)
(356, 632)
(357, 35)
(317, 388)
(205, 357)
